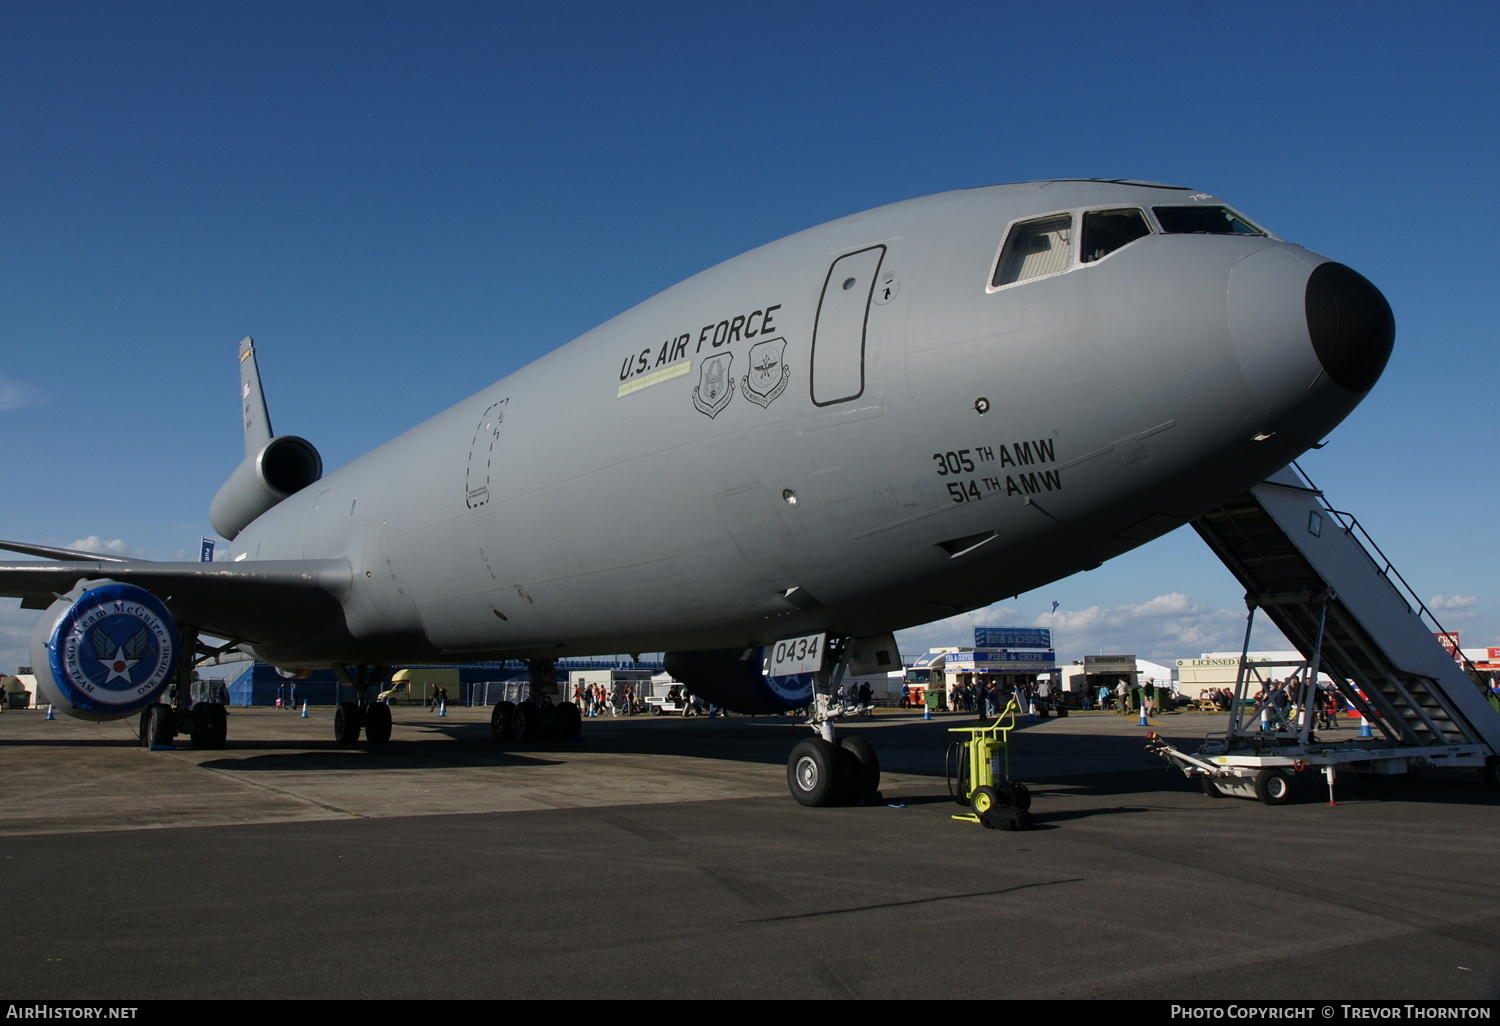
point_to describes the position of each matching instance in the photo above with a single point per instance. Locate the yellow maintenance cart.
(978, 772)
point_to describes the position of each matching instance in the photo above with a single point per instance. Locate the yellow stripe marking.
(656, 377)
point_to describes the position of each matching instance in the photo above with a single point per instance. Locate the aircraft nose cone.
(1307, 333)
(1350, 324)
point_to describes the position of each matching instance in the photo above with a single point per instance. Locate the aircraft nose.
(1300, 324)
(1350, 324)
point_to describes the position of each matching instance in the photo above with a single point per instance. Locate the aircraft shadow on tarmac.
(1093, 764)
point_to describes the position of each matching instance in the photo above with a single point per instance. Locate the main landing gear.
(536, 717)
(373, 717)
(829, 770)
(206, 723)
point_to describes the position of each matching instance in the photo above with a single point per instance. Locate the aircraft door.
(479, 471)
(838, 346)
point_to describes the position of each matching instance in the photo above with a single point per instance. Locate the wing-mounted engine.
(104, 650)
(735, 678)
(273, 467)
(277, 469)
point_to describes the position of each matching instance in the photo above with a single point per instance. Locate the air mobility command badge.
(715, 385)
(768, 372)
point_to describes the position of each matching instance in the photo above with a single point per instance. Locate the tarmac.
(663, 857)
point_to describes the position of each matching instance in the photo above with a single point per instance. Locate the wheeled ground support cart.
(978, 772)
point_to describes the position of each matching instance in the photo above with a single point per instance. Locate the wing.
(268, 602)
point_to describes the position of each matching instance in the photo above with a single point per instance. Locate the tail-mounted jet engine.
(284, 465)
(104, 650)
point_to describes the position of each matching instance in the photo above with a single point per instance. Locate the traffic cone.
(304, 708)
(1364, 728)
(1144, 722)
(443, 709)
(1030, 712)
(926, 711)
(1265, 719)
(50, 714)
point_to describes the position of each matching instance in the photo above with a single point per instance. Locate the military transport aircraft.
(763, 471)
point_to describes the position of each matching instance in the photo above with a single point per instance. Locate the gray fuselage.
(852, 429)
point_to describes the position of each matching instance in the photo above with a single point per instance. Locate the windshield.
(1203, 221)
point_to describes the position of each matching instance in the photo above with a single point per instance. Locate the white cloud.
(1164, 627)
(1455, 608)
(18, 395)
(15, 634)
(112, 547)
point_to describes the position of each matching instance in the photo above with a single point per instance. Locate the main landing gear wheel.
(500, 720)
(865, 765)
(156, 725)
(215, 726)
(346, 723)
(524, 721)
(570, 721)
(378, 723)
(549, 723)
(1272, 787)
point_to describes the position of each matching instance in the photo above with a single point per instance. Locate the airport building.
(476, 683)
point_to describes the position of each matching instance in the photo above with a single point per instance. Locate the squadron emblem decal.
(715, 385)
(768, 372)
(114, 650)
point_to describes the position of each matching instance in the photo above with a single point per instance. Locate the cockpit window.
(1203, 221)
(1036, 248)
(1105, 231)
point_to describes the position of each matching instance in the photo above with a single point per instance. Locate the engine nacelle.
(105, 650)
(284, 465)
(735, 678)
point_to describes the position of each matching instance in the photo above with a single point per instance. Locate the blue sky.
(403, 202)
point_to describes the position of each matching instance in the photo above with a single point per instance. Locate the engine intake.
(284, 465)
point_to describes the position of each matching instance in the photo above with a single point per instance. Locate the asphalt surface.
(662, 857)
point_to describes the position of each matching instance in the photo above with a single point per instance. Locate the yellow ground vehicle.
(417, 685)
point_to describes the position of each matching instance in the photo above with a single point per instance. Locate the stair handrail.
(1351, 525)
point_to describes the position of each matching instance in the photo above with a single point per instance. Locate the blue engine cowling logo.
(112, 651)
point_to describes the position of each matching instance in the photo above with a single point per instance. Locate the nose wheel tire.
(815, 771)
(865, 764)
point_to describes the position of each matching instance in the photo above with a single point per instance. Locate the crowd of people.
(596, 700)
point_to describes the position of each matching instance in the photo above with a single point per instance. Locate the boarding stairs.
(1321, 579)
